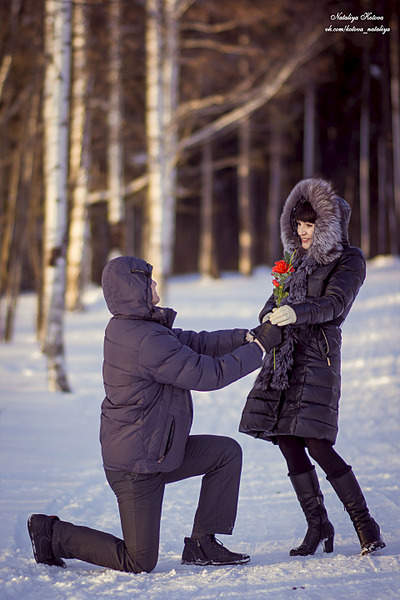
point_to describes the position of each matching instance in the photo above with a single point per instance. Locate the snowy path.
(50, 460)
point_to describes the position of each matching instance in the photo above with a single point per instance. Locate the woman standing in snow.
(295, 398)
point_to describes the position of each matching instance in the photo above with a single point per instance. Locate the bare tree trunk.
(246, 232)
(55, 117)
(12, 297)
(351, 184)
(116, 209)
(8, 240)
(155, 149)
(14, 8)
(365, 156)
(170, 86)
(208, 264)
(382, 175)
(275, 183)
(22, 214)
(161, 130)
(245, 217)
(79, 164)
(34, 239)
(309, 131)
(395, 96)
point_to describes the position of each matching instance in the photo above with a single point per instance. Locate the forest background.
(174, 130)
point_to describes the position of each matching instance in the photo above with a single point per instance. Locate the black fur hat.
(331, 224)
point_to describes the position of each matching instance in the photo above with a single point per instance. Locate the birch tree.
(246, 232)
(55, 118)
(161, 99)
(116, 212)
(170, 137)
(79, 163)
(154, 132)
(208, 265)
(245, 216)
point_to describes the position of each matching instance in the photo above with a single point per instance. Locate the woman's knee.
(290, 445)
(318, 449)
(293, 450)
(324, 454)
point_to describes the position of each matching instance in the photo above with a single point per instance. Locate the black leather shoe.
(207, 550)
(40, 528)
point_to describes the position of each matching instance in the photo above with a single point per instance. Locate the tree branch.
(264, 92)
(183, 6)
(4, 70)
(221, 47)
(212, 28)
(237, 95)
(131, 188)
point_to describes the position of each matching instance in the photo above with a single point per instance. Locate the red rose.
(281, 273)
(282, 266)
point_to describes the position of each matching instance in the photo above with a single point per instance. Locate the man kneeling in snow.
(148, 370)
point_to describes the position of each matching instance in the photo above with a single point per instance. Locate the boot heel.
(328, 544)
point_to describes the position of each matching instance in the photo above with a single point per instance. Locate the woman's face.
(154, 296)
(305, 231)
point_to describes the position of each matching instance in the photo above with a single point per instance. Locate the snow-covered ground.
(50, 459)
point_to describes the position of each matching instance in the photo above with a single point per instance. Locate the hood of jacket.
(126, 283)
(331, 225)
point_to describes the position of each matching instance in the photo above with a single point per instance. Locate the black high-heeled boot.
(349, 492)
(320, 529)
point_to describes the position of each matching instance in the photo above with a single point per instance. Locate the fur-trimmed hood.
(331, 226)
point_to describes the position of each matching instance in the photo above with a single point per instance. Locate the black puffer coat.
(309, 406)
(149, 369)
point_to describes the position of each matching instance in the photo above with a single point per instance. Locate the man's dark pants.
(140, 498)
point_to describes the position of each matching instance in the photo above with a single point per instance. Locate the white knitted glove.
(284, 315)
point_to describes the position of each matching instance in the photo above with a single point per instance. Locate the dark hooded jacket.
(149, 369)
(309, 406)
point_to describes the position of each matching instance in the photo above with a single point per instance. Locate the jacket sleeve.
(169, 361)
(341, 290)
(268, 306)
(213, 343)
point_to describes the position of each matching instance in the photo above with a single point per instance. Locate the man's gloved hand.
(284, 315)
(267, 335)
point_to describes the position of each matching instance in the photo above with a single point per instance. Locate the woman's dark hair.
(304, 212)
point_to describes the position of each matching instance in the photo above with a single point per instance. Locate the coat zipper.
(328, 360)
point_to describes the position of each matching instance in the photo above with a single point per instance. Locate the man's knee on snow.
(146, 563)
(233, 450)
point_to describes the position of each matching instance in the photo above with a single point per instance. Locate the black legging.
(294, 450)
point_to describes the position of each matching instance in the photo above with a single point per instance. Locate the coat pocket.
(324, 346)
(167, 439)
